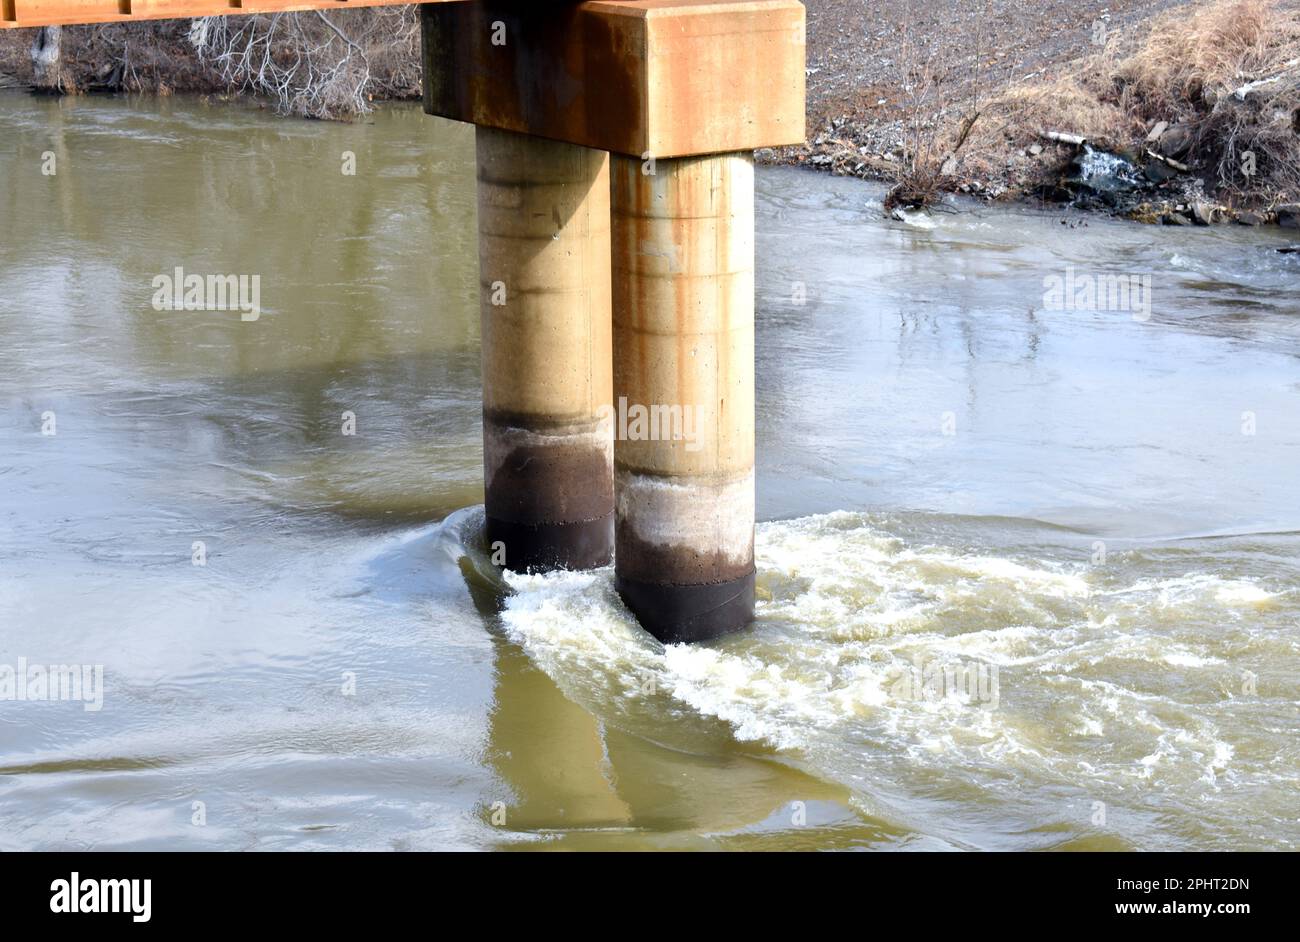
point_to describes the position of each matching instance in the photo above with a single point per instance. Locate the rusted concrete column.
(683, 269)
(545, 283)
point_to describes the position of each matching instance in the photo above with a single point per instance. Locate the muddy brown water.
(1027, 568)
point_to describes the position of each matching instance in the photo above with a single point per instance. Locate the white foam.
(846, 609)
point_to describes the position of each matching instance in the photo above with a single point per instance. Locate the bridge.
(615, 173)
(26, 13)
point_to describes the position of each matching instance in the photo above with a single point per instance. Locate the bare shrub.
(315, 64)
(931, 145)
(150, 57)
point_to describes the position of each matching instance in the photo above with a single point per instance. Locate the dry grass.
(1023, 113)
(1232, 74)
(1227, 71)
(1216, 47)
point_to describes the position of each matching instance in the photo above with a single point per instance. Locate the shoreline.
(998, 100)
(795, 158)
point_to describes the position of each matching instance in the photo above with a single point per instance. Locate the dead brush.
(931, 145)
(1228, 72)
(313, 63)
(1231, 73)
(316, 64)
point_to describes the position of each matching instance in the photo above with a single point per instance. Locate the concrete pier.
(544, 248)
(631, 274)
(680, 92)
(683, 281)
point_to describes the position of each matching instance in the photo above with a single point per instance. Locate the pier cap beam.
(645, 78)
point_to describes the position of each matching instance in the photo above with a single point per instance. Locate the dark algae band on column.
(686, 613)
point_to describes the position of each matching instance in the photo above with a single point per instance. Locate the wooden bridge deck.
(17, 14)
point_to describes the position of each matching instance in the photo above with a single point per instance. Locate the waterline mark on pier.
(83, 683)
(1075, 291)
(181, 292)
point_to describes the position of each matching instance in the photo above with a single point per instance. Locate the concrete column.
(683, 268)
(545, 281)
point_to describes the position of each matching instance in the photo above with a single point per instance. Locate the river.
(1091, 514)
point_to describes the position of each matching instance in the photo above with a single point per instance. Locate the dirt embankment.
(153, 57)
(1163, 110)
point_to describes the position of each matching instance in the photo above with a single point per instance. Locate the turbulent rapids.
(1128, 691)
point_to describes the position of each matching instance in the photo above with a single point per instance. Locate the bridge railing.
(17, 14)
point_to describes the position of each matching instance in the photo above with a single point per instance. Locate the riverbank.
(309, 66)
(1157, 110)
(1199, 104)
